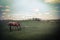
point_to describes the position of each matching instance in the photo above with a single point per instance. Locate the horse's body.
(14, 24)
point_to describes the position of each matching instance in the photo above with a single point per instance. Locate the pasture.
(31, 30)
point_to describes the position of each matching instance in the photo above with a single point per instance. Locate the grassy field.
(31, 30)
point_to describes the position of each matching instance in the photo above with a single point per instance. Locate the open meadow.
(30, 30)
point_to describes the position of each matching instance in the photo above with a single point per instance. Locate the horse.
(14, 24)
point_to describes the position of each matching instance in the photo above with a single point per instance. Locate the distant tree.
(36, 19)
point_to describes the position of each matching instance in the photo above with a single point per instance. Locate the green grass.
(30, 30)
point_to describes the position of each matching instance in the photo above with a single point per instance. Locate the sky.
(26, 9)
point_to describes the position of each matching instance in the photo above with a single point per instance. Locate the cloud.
(7, 7)
(3, 16)
(4, 13)
(35, 10)
(7, 10)
(1, 6)
(52, 1)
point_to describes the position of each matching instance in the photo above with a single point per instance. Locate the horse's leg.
(18, 28)
(10, 28)
(14, 28)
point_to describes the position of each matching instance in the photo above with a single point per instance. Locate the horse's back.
(13, 24)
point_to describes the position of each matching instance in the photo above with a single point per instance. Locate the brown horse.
(14, 24)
